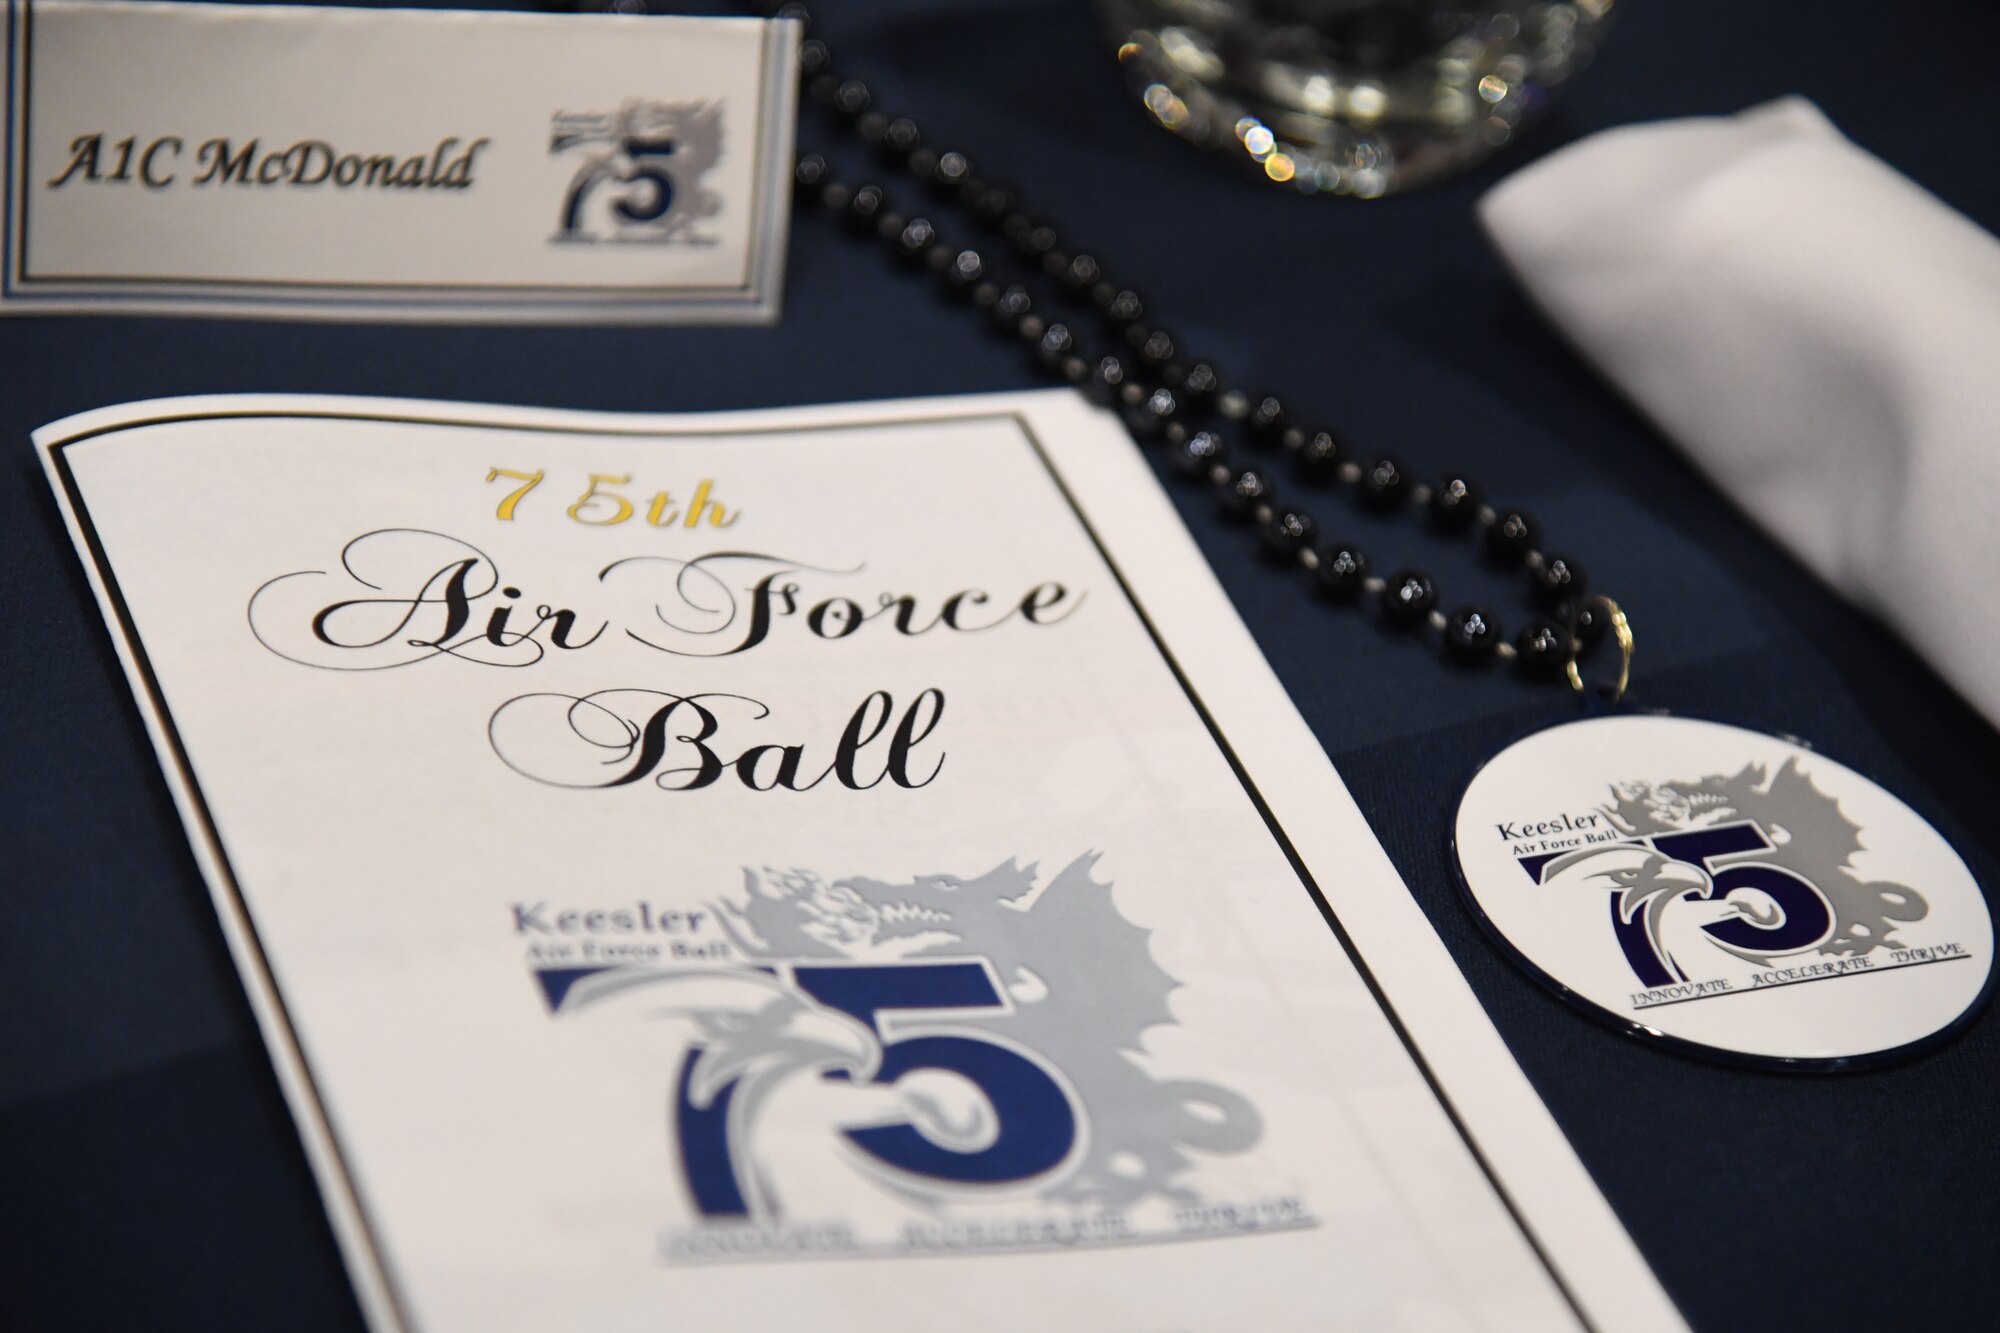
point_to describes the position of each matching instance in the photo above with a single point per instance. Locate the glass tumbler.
(1356, 97)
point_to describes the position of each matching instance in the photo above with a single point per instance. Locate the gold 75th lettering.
(601, 505)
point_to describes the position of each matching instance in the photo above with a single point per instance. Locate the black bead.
(952, 171)
(870, 127)
(1286, 533)
(1471, 635)
(1031, 238)
(809, 174)
(1384, 484)
(1013, 306)
(1054, 263)
(1146, 417)
(964, 273)
(851, 98)
(902, 137)
(824, 89)
(834, 197)
(1120, 306)
(1266, 422)
(1454, 504)
(1053, 344)
(1407, 599)
(1197, 455)
(1158, 348)
(1342, 572)
(922, 165)
(990, 204)
(815, 58)
(1582, 618)
(1198, 382)
(1081, 274)
(1557, 580)
(1318, 457)
(913, 240)
(1511, 536)
(1241, 492)
(1075, 369)
(1107, 377)
(862, 208)
(1542, 649)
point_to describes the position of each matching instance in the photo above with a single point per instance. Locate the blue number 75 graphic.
(1037, 1126)
(634, 205)
(1803, 917)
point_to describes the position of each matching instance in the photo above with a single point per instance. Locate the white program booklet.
(846, 864)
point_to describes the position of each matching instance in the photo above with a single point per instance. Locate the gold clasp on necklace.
(1621, 634)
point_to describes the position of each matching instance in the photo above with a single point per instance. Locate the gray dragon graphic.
(1810, 837)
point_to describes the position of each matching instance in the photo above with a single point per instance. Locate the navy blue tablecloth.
(149, 1173)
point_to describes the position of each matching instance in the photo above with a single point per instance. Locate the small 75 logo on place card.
(640, 178)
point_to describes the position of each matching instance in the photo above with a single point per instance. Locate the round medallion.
(1724, 889)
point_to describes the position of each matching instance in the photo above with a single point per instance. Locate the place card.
(315, 162)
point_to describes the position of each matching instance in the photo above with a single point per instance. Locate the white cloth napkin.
(1813, 329)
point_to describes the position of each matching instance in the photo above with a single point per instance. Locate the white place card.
(315, 162)
(849, 863)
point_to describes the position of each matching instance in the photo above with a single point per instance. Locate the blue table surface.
(149, 1172)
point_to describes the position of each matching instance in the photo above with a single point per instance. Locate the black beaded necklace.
(1630, 803)
(1167, 396)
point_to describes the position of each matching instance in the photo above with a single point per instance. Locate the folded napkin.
(1817, 332)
